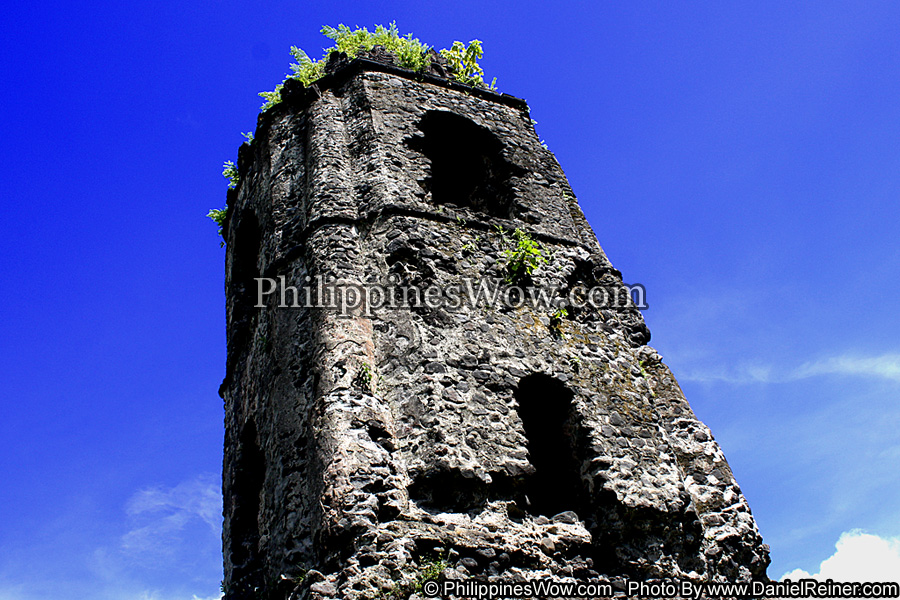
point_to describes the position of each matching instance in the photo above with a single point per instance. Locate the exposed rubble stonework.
(497, 442)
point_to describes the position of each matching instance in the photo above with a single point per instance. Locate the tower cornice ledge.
(295, 95)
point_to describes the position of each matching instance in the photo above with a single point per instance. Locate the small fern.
(463, 63)
(219, 216)
(524, 258)
(429, 570)
(230, 172)
(410, 52)
(556, 320)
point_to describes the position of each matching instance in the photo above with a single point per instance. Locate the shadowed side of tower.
(507, 440)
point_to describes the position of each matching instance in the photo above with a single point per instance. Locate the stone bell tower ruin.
(504, 442)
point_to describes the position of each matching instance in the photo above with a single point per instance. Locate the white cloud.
(169, 548)
(156, 595)
(199, 497)
(163, 513)
(149, 595)
(12, 592)
(885, 366)
(746, 373)
(858, 556)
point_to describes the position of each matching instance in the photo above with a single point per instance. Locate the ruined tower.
(367, 447)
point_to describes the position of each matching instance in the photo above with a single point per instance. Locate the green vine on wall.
(524, 258)
(429, 570)
(556, 320)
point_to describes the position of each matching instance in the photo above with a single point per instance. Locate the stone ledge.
(295, 95)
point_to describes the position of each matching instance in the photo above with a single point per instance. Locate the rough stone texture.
(513, 445)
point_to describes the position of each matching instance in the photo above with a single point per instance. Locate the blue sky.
(740, 161)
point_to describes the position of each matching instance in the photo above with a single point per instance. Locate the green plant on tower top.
(410, 52)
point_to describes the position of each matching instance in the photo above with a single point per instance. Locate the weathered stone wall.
(509, 443)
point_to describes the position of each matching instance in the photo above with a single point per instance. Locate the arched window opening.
(467, 164)
(552, 429)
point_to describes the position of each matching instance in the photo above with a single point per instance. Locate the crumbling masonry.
(508, 442)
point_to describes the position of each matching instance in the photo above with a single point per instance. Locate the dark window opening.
(443, 489)
(467, 164)
(248, 478)
(242, 286)
(446, 490)
(553, 431)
